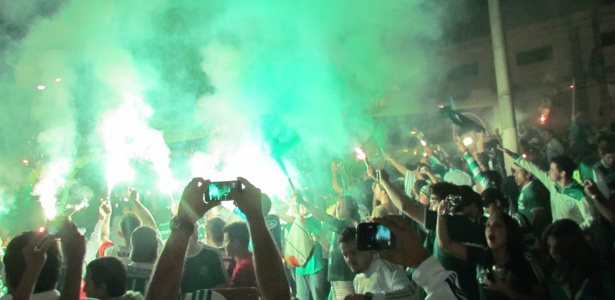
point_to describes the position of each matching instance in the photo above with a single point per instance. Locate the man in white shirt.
(376, 279)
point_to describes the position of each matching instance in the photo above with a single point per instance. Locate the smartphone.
(374, 236)
(221, 190)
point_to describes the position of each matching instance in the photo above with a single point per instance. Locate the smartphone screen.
(221, 190)
(374, 236)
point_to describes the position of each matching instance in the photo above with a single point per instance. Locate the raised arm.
(453, 248)
(270, 276)
(104, 215)
(140, 211)
(168, 272)
(528, 166)
(411, 208)
(73, 248)
(334, 181)
(605, 206)
(318, 213)
(35, 255)
(399, 167)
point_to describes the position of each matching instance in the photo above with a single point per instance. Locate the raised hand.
(409, 250)
(506, 151)
(192, 205)
(248, 198)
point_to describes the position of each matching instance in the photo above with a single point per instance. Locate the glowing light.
(58, 79)
(41, 229)
(572, 86)
(524, 155)
(425, 154)
(41, 87)
(416, 152)
(25, 162)
(468, 141)
(413, 132)
(441, 106)
(423, 143)
(360, 153)
(543, 119)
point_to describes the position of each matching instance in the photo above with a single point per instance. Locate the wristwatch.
(368, 296)
(179, 224)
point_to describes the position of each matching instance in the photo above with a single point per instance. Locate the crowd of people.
(463, 227)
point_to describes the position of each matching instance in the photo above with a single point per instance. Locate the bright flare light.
(41, 87)
(468, 141)
(360, 153)
(423, 143)
(543, 119)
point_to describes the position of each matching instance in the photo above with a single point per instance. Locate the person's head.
(494, 200)
(608, 154)
(213, 232)
(105, 278)
(266, 204)
(15, 264)
(128, 224)
(439, 191)
(357, 261)
(423, 191)
(566, 244)
(562, 167)
(522, 177)
(457, 162)
(347, 208)
(380, 193)
(144, 245)
(236, 238)
(471, 202)
(503, 232)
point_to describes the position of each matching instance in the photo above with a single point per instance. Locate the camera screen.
(373, 236)
(221, 190)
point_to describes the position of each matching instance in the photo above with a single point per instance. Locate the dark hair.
(352, 207)
(565, 164)
(457, 162)
(144, 244)
(266, 204)
(15, 264)
(443, 189)
(514, 238)
(128, 224)
(110, 271)
(493, 177)
(214, 227)
(238, 231)
(492, 194)
(574, 249)
(469, 196)
(349, 234)
(418, 184)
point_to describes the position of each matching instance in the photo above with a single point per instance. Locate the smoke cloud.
(112, 80)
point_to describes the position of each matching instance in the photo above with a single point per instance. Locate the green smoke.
(217, 68)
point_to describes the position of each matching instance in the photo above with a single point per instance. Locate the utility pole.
(507, 111)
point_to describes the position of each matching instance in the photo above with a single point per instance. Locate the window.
(534, 55)
(463, 71)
